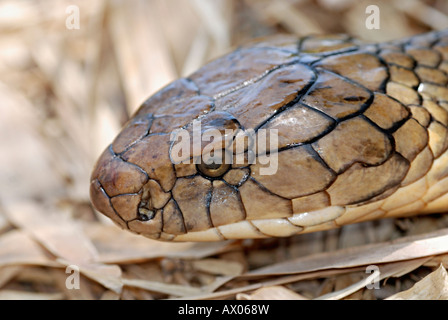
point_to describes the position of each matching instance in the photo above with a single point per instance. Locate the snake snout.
(116, 188)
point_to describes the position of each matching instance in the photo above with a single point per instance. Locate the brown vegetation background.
(64, 94)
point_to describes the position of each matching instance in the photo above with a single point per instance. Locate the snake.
(361, 132)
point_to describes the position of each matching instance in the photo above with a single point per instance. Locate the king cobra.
(362, 134)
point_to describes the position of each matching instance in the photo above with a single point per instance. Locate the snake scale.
(362, 135)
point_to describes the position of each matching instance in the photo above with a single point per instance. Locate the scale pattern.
(362, 132)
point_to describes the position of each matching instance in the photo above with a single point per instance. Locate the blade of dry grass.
(396, 269)
(143, 58)
(271, 293)
(268, 283)
(423, 13)
(116, 246)
(406, 248)
(171, 289)
(294, 20)
(219, 267)
(437, 261)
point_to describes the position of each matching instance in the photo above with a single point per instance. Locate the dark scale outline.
(408, 69)
(252, 80)
(426, 49)
(114, 155)
(150, 117)
(379, 129)
(237, 192)
(433, 99)
(389, 132)
(256, 229)
(299, 95)
(243, 179)
(110, 203)
(208, 200)
(181, 214)
(331, 127)
(381, 87)
(172, 164)
(429, 168)
(363, 107)
(414, 63)
(419, 96)
(324, 54)
(259, 78)
(137, 214)
(144, 103)
(262, 187)
(430, 82)
(302, 93)
(266, 48)
(427, 130)
(390, 155)
(430, 115)
(378, 165)
(396, 125)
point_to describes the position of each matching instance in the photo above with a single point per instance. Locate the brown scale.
(362, 134)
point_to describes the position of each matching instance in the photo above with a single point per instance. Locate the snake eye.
(213, 170)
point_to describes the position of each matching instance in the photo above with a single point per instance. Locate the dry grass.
(64, 95)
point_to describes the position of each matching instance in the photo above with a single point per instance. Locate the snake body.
(362, 135)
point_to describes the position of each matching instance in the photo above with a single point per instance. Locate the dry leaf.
(7, 273)
(3, 223)
(405, 248)
(171, 289)
(17, 248)
(117, 246)
(432, 287)
(58, 233)
(374, 274)
(64, 238)
(110, 295)
(437, 261)
(218, 267)
(271, 293)
(22, 295)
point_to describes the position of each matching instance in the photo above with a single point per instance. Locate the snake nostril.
(145, 214)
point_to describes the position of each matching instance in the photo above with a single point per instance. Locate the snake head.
(139, 185)
(352, 140)
(131, 178)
